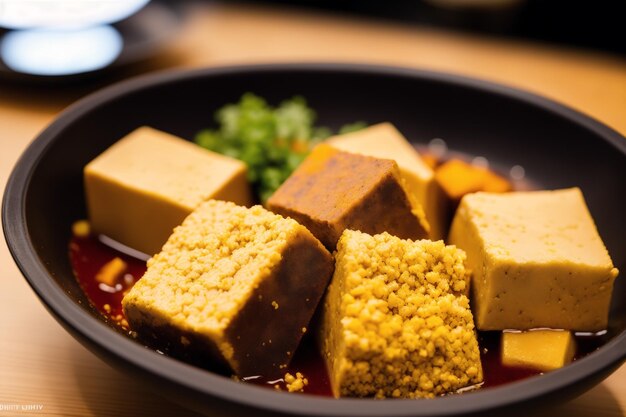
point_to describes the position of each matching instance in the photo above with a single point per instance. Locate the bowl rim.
(79, 321)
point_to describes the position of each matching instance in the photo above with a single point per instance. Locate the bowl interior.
(557, 147)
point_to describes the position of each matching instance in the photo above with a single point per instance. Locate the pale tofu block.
(536, 259)
(385, 141)
(145, 184)
(544, 350)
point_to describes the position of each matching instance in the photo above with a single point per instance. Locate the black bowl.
(558, 147)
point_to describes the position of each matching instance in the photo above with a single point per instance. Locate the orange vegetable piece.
(458, 178)
(111, 271)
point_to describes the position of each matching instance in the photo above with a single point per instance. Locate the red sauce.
(88, 255)
(308, 361)
(494, 372)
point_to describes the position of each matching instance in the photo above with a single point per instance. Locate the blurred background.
(53, 52)
(575, 23)
(65, 38)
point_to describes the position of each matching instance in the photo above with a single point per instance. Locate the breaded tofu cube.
(234, 284)
(383, 140)
(396, 320)
(145, 184)
(536, 260)
(333, 190)
(545, 350)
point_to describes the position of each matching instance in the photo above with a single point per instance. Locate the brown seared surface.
(298, 285)
(334, 190)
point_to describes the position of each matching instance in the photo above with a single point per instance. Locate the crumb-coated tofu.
(396, 320)
(232, 284)
(334, 190)
(537, 260)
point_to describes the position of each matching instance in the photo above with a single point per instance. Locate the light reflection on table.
(60, 51)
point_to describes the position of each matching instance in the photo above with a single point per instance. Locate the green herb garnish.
(271, 141)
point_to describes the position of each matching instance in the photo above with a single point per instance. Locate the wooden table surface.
(40, 364)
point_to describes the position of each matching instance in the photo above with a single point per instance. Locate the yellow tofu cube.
(385, 141)
(145, 184)
(544, 350)
(536, 259)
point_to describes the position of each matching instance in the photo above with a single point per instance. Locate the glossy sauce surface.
(88, 255)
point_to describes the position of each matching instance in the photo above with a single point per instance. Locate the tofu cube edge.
(146, 183)
(383, 140)
(544, 350)
(536, 259)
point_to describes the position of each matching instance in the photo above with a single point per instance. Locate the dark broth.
(88, 255)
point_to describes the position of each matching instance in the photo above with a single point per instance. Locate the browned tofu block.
(234, 285)
(333, 190)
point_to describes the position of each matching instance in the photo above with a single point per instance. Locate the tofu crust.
(332, 191)
(233, 286)
(396, 320)
(383, 140)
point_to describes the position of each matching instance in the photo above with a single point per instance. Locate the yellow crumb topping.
(210, 273)
(295, 383)
(396, 320)
(239, 244)
(110, 272)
